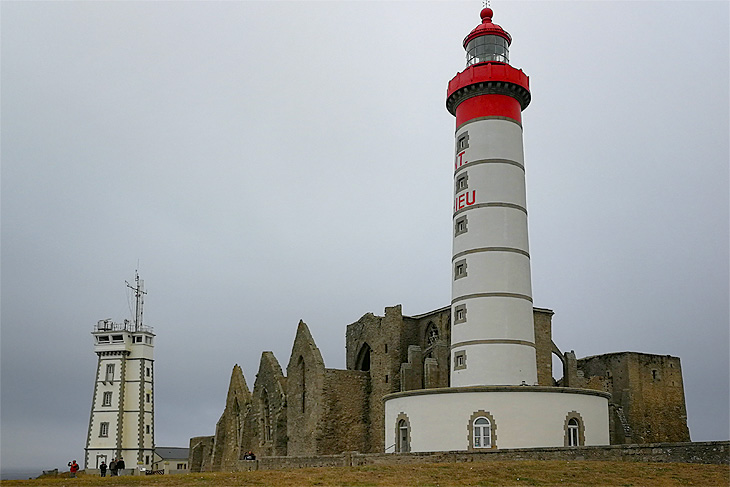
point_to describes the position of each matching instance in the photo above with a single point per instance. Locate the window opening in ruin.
(302, 383)
(558, 369)
(432, 334)
(573, 432)
(482, 433)
(363, 358)
(654, 374)
(386, 348)
(266, 416)
(386, 378)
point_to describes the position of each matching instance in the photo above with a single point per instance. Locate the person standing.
(120, 466)
(113, 467)
(102, 468)
(73, 468)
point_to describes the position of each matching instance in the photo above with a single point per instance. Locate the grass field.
(479, 474)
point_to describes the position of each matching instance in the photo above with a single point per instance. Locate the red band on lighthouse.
(488, 106)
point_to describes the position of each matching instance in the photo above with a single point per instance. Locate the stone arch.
(431, 335)
(363, 358)
(555, 352)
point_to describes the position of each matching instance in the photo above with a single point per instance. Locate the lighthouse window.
(104, 430)
(138, 339)
(103, 339)
(460, 269)
(117, 338)
(462, 142)
(460, 360)
(460, 226)
(107, 399)
(462, 182)
(460, 314)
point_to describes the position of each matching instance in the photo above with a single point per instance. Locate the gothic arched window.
(265, 415)
(432, 334)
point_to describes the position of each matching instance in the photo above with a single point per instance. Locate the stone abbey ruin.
(314, 410)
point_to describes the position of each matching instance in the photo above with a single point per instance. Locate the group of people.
(249, 456)
(114, 467)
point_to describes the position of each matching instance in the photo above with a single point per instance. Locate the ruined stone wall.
(376, 345)
(647, 395)
(229, 429)
(201, 453)
(265, 427)
(344, 423)
(305, 394)
(544, 346)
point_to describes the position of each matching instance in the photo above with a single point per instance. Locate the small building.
(170, 460)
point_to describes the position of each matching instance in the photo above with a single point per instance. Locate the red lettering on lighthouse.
(463, 200)
(459, 160)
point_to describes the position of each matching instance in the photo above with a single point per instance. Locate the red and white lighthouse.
(492, 334)
(494, 400)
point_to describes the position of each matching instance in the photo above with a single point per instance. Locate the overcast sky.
(265, 162)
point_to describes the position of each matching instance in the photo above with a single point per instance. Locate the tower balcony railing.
(126, 325)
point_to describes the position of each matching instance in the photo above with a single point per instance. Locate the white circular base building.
(489, 417)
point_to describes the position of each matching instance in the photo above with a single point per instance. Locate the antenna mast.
(139, 293)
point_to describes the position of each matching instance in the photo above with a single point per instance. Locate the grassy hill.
(481, 474)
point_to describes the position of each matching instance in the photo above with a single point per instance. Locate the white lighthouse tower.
(121, 424)
(493, 400)
(492, 338)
